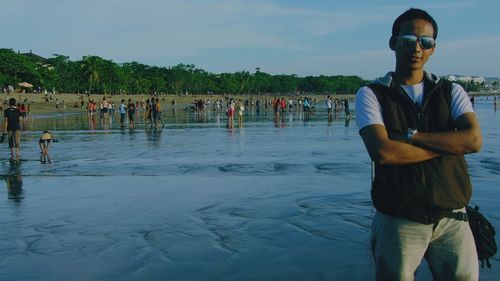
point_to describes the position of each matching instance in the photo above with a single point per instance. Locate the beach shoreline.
(72, 102)
(69, 102)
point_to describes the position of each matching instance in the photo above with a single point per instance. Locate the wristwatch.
(409, 134)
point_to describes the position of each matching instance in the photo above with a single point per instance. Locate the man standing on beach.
(346, 108)
(104, 109)
(416, 129)
(158, 112)
(328, 102)
(131, 113)
(123, 110)
(12, 126)
(154, 115)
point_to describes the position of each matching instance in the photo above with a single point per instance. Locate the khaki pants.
(399, 245)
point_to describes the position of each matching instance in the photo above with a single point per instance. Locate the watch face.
(410, 134)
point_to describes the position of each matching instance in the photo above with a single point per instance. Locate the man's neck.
(409, 77)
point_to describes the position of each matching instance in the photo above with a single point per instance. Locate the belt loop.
(462, 216)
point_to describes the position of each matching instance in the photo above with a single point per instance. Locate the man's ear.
(392, 43)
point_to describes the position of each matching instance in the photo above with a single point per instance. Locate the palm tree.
(91, 67)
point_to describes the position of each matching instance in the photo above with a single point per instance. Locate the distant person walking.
(123, 111)
(12, 126)
(230, 113)
(240, 108)
(131, 113)
(276, 106)
(283, 105)
(147, 112)
(158, 112)
(328, 103)
(306, 104)
(346, 108)
(104, 108)
(154, 113)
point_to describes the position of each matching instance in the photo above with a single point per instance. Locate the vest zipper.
(430, 202)
(420, 127)
(419, 114)
(425, 102)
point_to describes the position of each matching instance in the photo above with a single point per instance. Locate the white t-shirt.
(369, 111)
(328, 103)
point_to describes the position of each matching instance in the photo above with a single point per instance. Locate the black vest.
(423, 191)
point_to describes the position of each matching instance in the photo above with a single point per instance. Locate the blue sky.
(291, 37)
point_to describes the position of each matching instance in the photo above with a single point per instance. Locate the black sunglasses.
(410, 41)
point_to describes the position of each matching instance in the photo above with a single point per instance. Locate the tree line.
(96, 75)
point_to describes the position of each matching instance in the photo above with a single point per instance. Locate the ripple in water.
(491, 165)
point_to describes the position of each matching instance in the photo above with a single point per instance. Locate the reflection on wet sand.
(347, 121)
(14, 182)
(174, 118)
(45, 158)
(153, 135)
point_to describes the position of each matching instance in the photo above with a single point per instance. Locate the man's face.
(413, 58)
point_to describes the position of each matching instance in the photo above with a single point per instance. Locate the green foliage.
(470, 86)
(15, 68)
(94, 74)
(3, 79)
(61, 74)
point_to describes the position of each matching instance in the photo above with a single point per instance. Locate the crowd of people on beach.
(149, 111)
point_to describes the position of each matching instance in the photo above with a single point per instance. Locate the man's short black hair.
(12, 101)
(413, 14)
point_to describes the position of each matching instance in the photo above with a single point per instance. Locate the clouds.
(313, 37)
(186, 28)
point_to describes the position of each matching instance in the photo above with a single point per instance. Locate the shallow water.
(286, 200)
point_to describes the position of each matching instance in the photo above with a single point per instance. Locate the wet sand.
(198, 201)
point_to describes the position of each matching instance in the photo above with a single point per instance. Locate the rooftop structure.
(465, 78)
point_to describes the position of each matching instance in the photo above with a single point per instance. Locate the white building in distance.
(464, 78)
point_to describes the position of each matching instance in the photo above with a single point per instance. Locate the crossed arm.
(385, 149)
